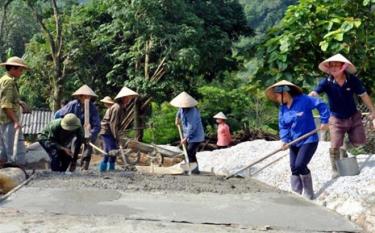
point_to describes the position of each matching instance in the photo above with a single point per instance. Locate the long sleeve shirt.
(223, 135)
(9, 98)
(191, 124)
(112, 119)
(54, 134)
(77, 108)
(298, 119)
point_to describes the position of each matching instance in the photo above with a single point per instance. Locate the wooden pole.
(273, 153)
(184, 148)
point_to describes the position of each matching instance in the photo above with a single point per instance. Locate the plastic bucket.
(348, 166)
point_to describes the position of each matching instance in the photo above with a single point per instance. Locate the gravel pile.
(352, 196)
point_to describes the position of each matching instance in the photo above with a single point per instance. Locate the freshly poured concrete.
(281, 211)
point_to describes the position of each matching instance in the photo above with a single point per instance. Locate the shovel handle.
(274, 152)
(184, 147)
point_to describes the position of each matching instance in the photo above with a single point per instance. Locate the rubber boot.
(334, 155)
(103, 166)
(111, 166)
(195, 168)
(308, 191)
(296, 184)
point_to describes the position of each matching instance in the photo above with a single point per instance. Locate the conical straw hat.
(183, 100)
(107, 100)
(323, 66)
(126, 92)
(15, 61)
(220, 115)
(272, 96)
(85, 90)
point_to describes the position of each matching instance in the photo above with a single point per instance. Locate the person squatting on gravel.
(296, 119)
(77, 107)
(224, 138)
(111, 124)
(57, 139)
(340, 86)
(193, 134)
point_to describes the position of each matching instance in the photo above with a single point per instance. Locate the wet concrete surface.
(196, 200)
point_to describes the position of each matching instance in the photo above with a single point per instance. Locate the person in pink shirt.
(224, 137)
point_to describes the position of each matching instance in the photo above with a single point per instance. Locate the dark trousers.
(109, 144)
(300, 158)
(60, 161)
(86, 155)
(192, 149)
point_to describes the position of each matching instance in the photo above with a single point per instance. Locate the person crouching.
(57, 139)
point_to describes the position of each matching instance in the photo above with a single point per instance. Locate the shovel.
(16, 137)
(272, 153)
(184, 149)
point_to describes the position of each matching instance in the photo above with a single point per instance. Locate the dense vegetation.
(223, 52)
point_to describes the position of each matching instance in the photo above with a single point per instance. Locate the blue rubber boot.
(103, 166)
(111, 166)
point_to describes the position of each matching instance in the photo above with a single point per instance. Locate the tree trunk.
(138, 120)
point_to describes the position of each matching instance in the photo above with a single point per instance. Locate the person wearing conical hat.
(193, 134)
(341, 85)
(224, 137)
(111, 124)
(296, 119)
(77, 107)
(56, 140)
(10, 112)
(107, 101)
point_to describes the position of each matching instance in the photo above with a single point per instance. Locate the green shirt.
(9, 97)
(57, 135)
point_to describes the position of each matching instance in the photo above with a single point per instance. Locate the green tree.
(312, 31)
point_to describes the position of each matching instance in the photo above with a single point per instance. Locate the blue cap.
(281, 89)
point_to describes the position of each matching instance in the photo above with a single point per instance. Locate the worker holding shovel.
(341, 85)
(296, 119)
(12, 147)
(193, 134)
(57, 138)
(84, 108)
(111, 124)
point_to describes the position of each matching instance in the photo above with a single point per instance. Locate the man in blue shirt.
(188, 115)
(340, 86)
(77, 107)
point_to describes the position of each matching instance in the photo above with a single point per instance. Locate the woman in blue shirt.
(296, 119)
(190, 119)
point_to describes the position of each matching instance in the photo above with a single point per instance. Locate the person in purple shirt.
(340, 86)
(193, 134)
(296, 119)
(77, 107)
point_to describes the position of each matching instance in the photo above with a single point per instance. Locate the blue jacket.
(75, 107)
(298, 119)
(191, 124)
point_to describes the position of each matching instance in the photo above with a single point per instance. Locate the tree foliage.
(312, 31)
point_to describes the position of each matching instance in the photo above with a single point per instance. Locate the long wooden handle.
(86, 125)
(184, 148)
(97, 148)
(274, 152)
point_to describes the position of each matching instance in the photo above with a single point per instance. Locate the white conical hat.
(272, 96)
(323, 66)
(126, 92)
(183, 100)
(15, 61)
(220, 115)
(85, 90)
(107, 100)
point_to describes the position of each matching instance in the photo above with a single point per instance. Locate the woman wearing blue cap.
(296, 119)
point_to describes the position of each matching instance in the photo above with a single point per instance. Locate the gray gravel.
(131, 181)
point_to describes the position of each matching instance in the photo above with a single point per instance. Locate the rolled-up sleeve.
(9, 95)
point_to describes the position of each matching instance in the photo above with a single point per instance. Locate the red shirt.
(223, 135)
